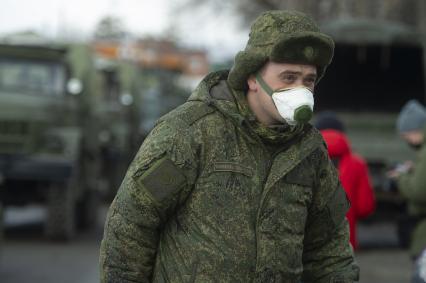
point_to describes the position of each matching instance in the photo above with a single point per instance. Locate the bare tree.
(110, 28)
(409, 12)
(246, 10)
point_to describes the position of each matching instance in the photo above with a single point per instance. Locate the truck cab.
(49, 147)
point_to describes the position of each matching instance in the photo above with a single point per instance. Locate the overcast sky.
(219, 34)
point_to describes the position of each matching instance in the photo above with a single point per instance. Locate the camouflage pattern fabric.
(206, 201)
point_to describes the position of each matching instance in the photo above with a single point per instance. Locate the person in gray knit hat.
(235, 185)
(411, 123)
(411, 181)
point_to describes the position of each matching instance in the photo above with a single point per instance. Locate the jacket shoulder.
(187, 114)
(173, 136)
(314, 138)
(319, 154)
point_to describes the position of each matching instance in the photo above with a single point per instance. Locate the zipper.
(265, 178)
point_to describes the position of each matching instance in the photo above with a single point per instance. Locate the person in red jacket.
(353, 171)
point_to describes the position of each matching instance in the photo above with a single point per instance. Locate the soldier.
(234, 185)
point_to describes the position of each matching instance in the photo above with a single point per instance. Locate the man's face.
(413, 138)
(278, 76)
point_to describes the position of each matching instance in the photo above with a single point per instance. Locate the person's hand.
(400, 169)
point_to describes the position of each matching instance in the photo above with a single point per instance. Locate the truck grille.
(10, 147)
(14, 128)
(13, 136)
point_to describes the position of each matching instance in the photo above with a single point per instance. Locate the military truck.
(161, 93)
(119, 107)
(377, 67)
(49, 137)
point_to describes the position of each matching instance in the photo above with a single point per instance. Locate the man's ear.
(252, 83)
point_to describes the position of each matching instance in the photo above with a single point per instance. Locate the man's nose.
(302, 83)
(298, 83)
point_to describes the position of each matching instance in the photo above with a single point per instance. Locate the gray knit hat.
(412, 117)
(281, 36)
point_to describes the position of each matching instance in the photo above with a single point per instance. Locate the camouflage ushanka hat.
(281, 36)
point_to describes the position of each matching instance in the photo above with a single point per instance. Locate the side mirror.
(74, 86)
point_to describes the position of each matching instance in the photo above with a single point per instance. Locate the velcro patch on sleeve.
(162, 179)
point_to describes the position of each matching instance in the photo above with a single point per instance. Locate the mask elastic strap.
(264, 85)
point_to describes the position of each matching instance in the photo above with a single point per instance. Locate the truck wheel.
(60, 224)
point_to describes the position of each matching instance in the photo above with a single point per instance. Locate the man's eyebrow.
(289, 72)
(312, 75)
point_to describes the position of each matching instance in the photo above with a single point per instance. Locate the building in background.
(191, 64)
(167, 72)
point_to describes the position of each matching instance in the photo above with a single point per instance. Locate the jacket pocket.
(233, 177)
(232, 167)
(300, 176)
(226, 183)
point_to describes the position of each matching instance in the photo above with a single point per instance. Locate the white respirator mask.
(295, 105)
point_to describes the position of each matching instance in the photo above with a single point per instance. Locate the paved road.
(27, 257)
(380, 258)
(384, 266)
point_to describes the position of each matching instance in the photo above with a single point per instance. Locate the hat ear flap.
(246, 63)
(320, 73)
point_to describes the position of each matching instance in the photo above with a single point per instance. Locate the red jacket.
(353, 174)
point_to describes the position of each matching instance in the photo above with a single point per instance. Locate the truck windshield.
(32, 77)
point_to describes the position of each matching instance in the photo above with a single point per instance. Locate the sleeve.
(412, 185)
(328, 255)
(157, 182)
(365, 200)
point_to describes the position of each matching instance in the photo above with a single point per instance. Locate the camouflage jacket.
(205, 201)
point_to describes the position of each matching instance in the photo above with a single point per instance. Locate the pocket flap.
(232, 167)
(299, 177)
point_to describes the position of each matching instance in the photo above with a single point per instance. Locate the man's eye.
(309, 81)
(289, 78)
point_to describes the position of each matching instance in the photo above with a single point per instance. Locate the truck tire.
(60, 224)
